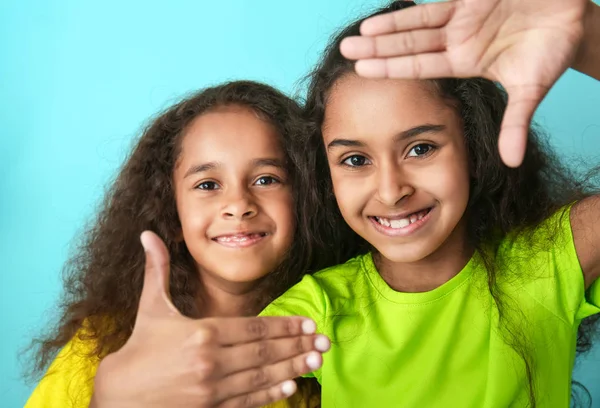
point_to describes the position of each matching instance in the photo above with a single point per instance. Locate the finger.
(265, 377)
(429, 15)
(522, 103)
(393, 45)
(262, 397)
(238, 330)
(251, 355)
(155, 299)
(421, 66)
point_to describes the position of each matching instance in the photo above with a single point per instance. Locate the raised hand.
(172, 360)
(523, 44)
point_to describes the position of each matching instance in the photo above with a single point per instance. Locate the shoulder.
(78, 353)
(552, 233)
(70, 378)
(571, 235)
(313, 295)
(343, 275)
(334, 278)
(548, 262)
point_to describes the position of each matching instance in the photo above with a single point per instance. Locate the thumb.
(522, 103)
(155, 299)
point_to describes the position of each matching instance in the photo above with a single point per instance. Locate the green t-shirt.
(445, 348)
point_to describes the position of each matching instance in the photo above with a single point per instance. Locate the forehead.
(230, 133)
(363, 106)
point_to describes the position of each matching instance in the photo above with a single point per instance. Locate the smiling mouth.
(404, 222)
(240, 240)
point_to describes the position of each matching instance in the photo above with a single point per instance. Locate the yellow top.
(69, 382)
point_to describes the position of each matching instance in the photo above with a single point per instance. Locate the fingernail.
(313, 361)
(322, 343)
(288, 387)
(144, 240)
(308, 327)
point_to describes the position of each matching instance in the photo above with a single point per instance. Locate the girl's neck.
(219, 298)
(430, 272)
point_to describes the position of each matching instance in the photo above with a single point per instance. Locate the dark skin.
(223, 193)
(394, 149)
(211, 362)
(581, 53)
(450, 40)
(235, 206)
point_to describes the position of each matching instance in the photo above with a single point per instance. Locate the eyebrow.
(263, 162)
(199, 168)
(407, 134)
(418, 130)
(268, 162)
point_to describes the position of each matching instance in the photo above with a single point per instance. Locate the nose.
(240, 205)
(392, 187)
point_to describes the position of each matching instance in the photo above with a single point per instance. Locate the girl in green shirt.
(475, 276)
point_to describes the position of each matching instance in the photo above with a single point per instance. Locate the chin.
(241, 273)
(405, 255)
(246, 279)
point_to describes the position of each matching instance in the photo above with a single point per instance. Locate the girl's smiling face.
(398, 164)
(233, 196)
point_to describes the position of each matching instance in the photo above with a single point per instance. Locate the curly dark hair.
(103, 279)
(502, 200)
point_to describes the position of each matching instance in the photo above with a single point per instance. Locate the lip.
(403, 214)
(402, 232)
(240, 239)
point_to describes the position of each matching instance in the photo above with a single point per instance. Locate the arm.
(173, 360)
(587, 59)
(585, 224)
(585, 216)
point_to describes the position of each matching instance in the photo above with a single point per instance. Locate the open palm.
(524, 44)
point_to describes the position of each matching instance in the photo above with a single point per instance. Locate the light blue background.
(79, 78)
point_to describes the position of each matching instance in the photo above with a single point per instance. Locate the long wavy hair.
(103, 278)
(502, 200)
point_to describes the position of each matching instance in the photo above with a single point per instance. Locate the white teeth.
(232, 239)
(235, 238)
(403, 222)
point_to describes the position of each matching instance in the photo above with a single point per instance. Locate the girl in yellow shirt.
(216, 178)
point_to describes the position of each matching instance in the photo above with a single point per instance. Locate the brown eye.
(207, 185)
(356, 161)
(420, 150)
(266, 181)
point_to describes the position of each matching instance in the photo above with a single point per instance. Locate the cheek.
(192, 220)
(451, 183)
(349, 193)
(282, 212)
